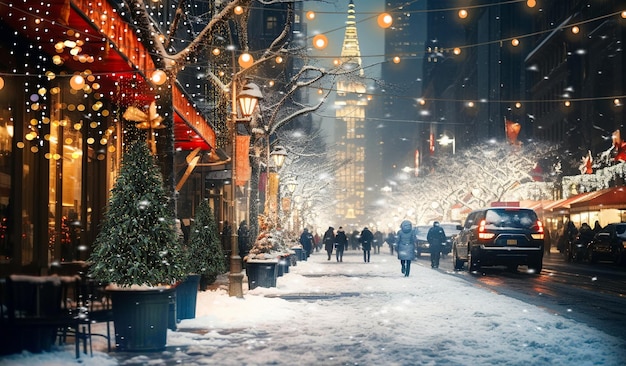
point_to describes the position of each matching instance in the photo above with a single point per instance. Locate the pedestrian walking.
(405, 243)
(306, 239)
(317, 241)
(378, 241)
(436, 237)
(329, 240)
(391, 241)
(354, 240)
(366, 240)
(341, 241)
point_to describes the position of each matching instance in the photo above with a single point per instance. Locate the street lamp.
(445, 141)
(278, 155)
(248, 99)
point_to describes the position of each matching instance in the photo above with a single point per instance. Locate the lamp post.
(277, 157)
(248, 99)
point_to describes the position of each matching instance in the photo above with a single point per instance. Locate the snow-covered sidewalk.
(355, 313)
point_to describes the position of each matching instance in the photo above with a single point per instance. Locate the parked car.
(421, 244)
(421, 231)
(509, 236)
(609, 244)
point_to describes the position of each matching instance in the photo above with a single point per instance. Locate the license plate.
(511, 242)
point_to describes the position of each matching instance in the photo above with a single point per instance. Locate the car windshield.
(450, 229)
(511, 218)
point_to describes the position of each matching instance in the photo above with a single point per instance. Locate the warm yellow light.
(396, 60)
(238, 10)
(531, 3)
(470, 104)
(515, 42)
(624, 14)
(518, 105)
(456, 51)
(1, 83)
(320, 41)
(422, 101)
(617, 101)
(57, 60)
(575, 30)
(310, 15)
(271, 83)
(216, 51)
(279, 60)
(567, 103)
(462, 13)
(246, 60)
(158, 77)
(320, 91)
(385, 20)
(77, 82)
(336, 62)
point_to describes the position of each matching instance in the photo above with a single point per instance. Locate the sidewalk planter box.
(186, 296)
(261, 273)
(293, 259)
(284, 263)
(141, 318)
(300, 253)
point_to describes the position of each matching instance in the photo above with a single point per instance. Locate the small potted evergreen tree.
(138, 253)
(203, 258)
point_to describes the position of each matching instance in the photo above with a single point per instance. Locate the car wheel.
(473, 259)
(536, 266)
(617, 256)
(458, 263)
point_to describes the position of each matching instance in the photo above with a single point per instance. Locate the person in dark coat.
(378, 241)
(391, 241)
(342, 241)
(405, 244)
(329, 240)
(597, 227)
(243, 237)
(366, 240)
(354, 240)
(306, 239)
(436, 237)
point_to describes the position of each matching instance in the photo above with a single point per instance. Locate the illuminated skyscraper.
(350, 105)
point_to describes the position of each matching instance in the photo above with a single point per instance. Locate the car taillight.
(539, 228)
(481, 231)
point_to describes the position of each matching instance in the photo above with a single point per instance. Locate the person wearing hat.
(366, 240)
(405, 244)
(341, 241)
(329, 240)
(436, 237)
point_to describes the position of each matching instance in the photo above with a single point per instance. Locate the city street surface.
(353, 313)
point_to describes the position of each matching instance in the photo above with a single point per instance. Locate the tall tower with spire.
(350, 105)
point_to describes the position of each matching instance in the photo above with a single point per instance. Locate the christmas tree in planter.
(204, 259)
(137, 248)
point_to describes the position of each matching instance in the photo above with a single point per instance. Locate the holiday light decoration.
(384, 20)
(146, 121)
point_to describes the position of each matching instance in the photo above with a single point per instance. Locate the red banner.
(242, 163)
(512, 130)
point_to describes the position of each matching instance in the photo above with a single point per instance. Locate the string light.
(238, 10)
(396, 60)
(320, 41)
(531, 3)
(575, 29)
(463, 13)
(515, 42)
(246, 60)
(384, 20)
(310, 15)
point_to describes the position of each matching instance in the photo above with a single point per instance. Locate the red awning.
(605, 199)
(565, 204)
(107, 46)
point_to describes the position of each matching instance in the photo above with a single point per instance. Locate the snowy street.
(355, 313)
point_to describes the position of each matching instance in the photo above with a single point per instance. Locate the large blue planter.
(141, 318)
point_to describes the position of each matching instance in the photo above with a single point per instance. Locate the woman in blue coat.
(405, 245)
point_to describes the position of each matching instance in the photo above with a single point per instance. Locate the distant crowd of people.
(403, 243)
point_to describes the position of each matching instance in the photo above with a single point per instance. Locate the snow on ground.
(355, 313)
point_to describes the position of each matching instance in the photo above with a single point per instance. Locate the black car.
(422, 245)
(509, 236)
(609, 244)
